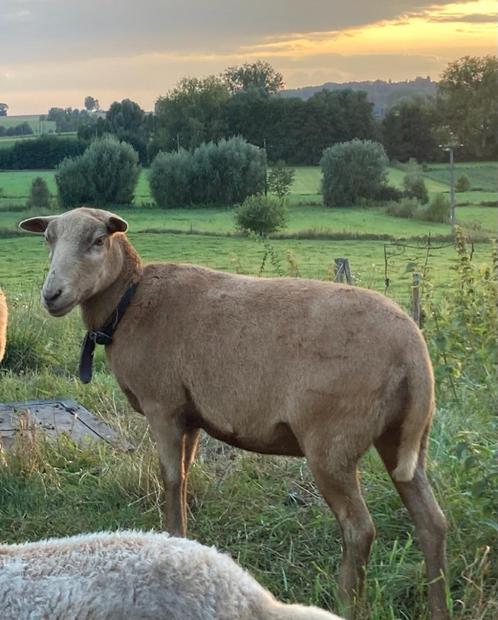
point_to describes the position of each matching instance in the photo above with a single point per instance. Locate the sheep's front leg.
(168, 435)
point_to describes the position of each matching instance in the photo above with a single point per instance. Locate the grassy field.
(287, 538)
(306, 212)
(482, 175)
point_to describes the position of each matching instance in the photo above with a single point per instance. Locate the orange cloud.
(430, 32)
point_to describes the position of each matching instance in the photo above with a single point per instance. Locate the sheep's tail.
(414, 427)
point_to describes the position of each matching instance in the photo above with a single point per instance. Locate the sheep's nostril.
(51, 297)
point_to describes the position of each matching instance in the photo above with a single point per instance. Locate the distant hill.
(382, 94)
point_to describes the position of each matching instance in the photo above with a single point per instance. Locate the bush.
(43, 153)
(280, 179)
(437, 211)
(407, 208)
(169, 179)
(227, 172)
(415, 187)
(388, 193)
(39, 196)
(107, 173)
(113, 171)
(72, 183)
(223, 173)
(463, 183)
(353, 171)
(261, 214)
(23, 129)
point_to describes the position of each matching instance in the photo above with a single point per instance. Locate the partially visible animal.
(278, 366)
(3, 323)
(133, 576)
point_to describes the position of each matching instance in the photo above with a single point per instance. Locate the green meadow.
(306, 212)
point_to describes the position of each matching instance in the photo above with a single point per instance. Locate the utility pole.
(266, 166)
(452, 190)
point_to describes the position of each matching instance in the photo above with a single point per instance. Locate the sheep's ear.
(115, 223)
(37, 224)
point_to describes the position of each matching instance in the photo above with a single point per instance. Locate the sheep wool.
(133, 575)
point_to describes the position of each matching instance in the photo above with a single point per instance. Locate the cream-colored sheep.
(133, 576)
(3, 323)
(278, 366)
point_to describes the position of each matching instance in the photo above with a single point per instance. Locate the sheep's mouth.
(60, 309)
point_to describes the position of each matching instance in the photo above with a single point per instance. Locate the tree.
(192, 113)
(127, 121)
(332, 117)
(258, 76)
(125, 116)
(353, 171)
(408, 131)
(91, 104)
(468, 104)
(298, 131)
(3, 109)
(280, 180)
(68, 119)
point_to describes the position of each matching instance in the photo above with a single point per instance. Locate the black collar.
(103, 335)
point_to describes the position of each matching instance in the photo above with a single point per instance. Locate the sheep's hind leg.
(341, 491)
(190, 445)
(430, 523)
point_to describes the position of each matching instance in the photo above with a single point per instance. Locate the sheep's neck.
(97, 310)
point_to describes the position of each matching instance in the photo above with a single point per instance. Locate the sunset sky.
(54, 52)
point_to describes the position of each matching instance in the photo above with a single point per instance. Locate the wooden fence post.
(343, 270)
(416, 298)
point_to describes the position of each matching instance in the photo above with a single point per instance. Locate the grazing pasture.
(267, 511)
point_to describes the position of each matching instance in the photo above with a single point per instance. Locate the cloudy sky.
(54, 52)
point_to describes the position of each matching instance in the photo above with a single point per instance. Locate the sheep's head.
(84, 258)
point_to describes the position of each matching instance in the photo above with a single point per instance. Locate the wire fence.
(401, 270)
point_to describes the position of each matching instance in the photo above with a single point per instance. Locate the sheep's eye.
(99, 242)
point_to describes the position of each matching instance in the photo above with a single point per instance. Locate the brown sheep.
(3, 324)
(277, 366)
